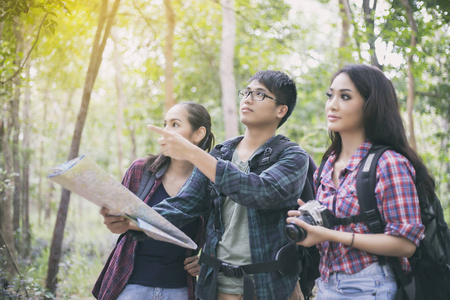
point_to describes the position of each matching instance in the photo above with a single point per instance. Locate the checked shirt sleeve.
(400, 203)
(190, 203)
(277, 187)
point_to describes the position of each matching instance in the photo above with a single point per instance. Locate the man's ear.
(282, 111)
(199, 134)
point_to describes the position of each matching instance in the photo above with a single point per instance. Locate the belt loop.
(335, 275)
(385, 270)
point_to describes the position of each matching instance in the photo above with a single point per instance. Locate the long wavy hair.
(198, 116)
(383, 123)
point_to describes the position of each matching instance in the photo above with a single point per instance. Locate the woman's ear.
(199, 134)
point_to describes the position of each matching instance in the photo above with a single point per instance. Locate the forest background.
(85, 77)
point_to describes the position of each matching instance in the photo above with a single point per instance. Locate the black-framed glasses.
(256, 95)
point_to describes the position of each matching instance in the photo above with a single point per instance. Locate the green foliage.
(86, 247)
(21, 288)
(7, 66)
(301, 40)
(11, 8)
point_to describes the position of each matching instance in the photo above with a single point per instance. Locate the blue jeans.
(141, 292)
(374, 282)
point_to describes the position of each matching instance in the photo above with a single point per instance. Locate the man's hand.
(177, 147)
(173, 144)
(192, 266)
(116, 224)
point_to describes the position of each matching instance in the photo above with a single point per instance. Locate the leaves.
(297, 37)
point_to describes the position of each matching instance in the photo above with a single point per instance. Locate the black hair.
(198, 116)
(383, 123)
(283, 87)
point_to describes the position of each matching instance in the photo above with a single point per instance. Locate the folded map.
(88, 180)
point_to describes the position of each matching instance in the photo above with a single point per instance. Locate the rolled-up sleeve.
(278, 186)
(399, 200)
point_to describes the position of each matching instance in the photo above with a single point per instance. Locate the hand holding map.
(88, 180)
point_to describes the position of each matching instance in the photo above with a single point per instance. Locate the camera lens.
(294, 233)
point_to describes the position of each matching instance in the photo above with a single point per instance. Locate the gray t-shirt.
(234, 248)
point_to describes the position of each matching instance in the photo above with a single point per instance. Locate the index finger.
(104, 211)
(190, 259)
(157, 130)
(293, 213)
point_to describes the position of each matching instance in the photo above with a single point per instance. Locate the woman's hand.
(378, 244)
(116, 224)
(295, 213)
(192, 266)
(314, 234)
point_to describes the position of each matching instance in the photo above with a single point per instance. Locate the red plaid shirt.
(397, 202)
(119, 266)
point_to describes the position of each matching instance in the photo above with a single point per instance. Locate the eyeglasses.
(256, 95)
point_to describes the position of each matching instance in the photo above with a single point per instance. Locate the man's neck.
(253, 139)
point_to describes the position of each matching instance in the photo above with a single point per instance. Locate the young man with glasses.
(245, 191)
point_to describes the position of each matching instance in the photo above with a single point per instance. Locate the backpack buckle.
(374, 221)
(230, 270)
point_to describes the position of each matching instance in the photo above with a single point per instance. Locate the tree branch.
(28, 55)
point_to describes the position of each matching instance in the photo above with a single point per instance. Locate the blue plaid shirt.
(267, 196)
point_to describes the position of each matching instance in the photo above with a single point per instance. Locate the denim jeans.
(374, 282)
(141, 292)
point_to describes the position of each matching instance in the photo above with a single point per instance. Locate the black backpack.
(430, 276)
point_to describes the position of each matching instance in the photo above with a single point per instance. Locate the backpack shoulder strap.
(272, 152)
(365, 188)
(220, 149)
(308, 189)
(146, 184)
(319, 173)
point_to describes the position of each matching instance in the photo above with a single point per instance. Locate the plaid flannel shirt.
(119, 266)
(397, 202)
(267, 197)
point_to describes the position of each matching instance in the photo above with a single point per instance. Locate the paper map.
(88, 180)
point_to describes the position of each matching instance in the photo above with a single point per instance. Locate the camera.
(313, 213)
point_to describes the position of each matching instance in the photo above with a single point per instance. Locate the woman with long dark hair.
(143, 268)
(362, 110)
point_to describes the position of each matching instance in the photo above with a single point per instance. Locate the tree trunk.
(411, 82)
(445, 184)
(15, 132)
(42, 204)
(132, 131)
(120, 103)
(7, 246)
(168, 55)
(369, 13)
(227, 80)
(346, 17)
(26, 168)
(64, 118)
(94, 65)
(2, 24)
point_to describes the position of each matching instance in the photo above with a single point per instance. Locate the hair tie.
(353, 239)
